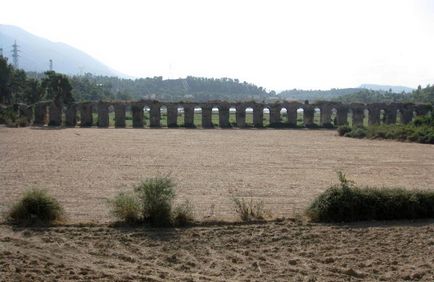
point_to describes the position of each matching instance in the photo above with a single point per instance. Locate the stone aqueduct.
(49, 113)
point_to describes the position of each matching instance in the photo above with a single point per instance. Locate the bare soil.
(275, 251)
(284, 168)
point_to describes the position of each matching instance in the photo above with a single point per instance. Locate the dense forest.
(91, 87)
(17, 86)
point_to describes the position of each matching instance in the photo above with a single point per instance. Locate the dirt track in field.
(284, 168)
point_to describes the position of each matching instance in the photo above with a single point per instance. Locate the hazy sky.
(276, 44)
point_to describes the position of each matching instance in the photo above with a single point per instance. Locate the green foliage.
(152, 203)
(127, 208)
(249, 210)
(57, 87)
(421, 130)
(357, 132)
(343, 129)
(36, 207)
(345, 202)
(156, 195)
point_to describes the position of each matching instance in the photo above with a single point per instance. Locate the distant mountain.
(35, 53)
(395, 89)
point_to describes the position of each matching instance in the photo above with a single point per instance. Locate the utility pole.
(51, 65)
(15, 55)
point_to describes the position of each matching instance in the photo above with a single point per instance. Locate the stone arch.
(249, 116)
(180, 115)
(300, 116)
(317, 112)
(146, 114)
(284, 115)
(232, 115)
(266, 115)
(215, 116)
(163, 116)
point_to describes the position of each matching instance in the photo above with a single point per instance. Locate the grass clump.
(346, 202)
(249, 210)
(151, 203)
(36, 207)
(127, 208)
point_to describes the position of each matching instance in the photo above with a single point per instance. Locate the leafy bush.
(36, 207)
(249, 210)
(346, 202)
(343, 129)
(358, 132)
(152, 203)
(127, 208)
(156, 195)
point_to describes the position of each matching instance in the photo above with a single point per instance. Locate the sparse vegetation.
(152, 203)
(346, 202)
(36, 207)
(249, 210)
(127, 208)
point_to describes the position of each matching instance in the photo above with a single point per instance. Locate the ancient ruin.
(82, 114)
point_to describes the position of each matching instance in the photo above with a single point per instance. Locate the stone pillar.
(291, 111)
(103, 114)
(325, 115)
(55, 114)
(86, 117)
(189, 116)
(275, 120)
(120, 115)
(27, 112)
(407, 112)
(341, 115)
(308, 115)
(390, 114)
(207, 116)
(138, 115)
(358, 114)
(224, 116)
(155, 114)
(71, 116)
(172, 115)
(258, 115)
(240, 116)
(40, 113)
(374, 115)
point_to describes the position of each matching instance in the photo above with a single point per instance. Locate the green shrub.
(358, 132)
(249, 210)
(36, 207)
(346, 202)
(127, 208)
(156, 195)
(152, 203)
(183, 214)
(343, 129)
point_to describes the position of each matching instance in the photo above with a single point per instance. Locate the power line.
(15, 52)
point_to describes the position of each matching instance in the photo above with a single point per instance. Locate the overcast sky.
(279, 45)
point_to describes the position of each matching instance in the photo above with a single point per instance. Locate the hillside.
(35, 53)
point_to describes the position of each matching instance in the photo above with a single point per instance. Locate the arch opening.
(249, 117)
(233, 116)
(163, 116)
(215, 119)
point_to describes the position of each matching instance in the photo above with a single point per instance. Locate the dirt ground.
(284, 168)
(275, 251)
